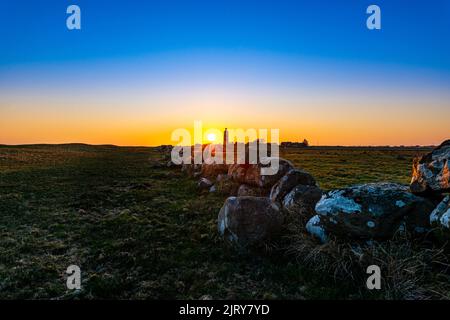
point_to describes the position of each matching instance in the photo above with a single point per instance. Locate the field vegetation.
(140, 232)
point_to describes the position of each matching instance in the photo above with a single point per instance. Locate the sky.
(136, 71)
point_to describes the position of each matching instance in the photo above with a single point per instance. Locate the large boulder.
(250, 174)
(367, 211)
(301, 200)
(290, 180)
(248, 221)
(431, 173)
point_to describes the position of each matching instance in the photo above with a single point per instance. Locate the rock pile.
(259, 205)
(262, 204)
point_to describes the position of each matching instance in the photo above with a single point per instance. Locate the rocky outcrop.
(366, 211)
(248, 221)
(431, 173)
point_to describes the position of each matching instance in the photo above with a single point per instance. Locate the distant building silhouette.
(289, 144)
(306, 143)
(225, 137)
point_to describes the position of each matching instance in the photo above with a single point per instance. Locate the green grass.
(340, 167)
(139, 232)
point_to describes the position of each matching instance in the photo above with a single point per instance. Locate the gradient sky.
(138, 70)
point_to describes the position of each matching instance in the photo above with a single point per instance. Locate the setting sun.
(211, 137)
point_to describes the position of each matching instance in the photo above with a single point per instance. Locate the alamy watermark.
(74, 277)
(373, 22)
(73, 22)
(232, 150)
(374, 280)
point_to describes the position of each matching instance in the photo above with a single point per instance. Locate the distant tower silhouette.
(225, 137)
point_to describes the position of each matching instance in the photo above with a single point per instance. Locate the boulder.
(291, 179)
(301, 200)
(237, 172)
(192, 170)
(316, 229)
(211, 171)
(417, 222)
(250, 174)
(246, 190)
(368, 211)
(222, 176)
(248, 221)
(224, 185)
(431, 173)
(440, 217)
(204, 184)
(170, 164)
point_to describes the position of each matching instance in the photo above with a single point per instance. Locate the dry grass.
(409, 269)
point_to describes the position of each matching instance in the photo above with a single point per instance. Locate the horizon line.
(155, 146)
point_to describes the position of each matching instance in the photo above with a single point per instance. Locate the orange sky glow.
(126, 104)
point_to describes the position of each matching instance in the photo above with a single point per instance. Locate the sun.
(211, 137)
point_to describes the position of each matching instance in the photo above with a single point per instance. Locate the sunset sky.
(137, 71)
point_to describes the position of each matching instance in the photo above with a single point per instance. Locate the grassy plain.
(139, 232)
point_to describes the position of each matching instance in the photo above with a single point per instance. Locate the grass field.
(143, 233)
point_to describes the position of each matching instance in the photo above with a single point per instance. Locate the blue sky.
(137, 64)
(414, 33)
